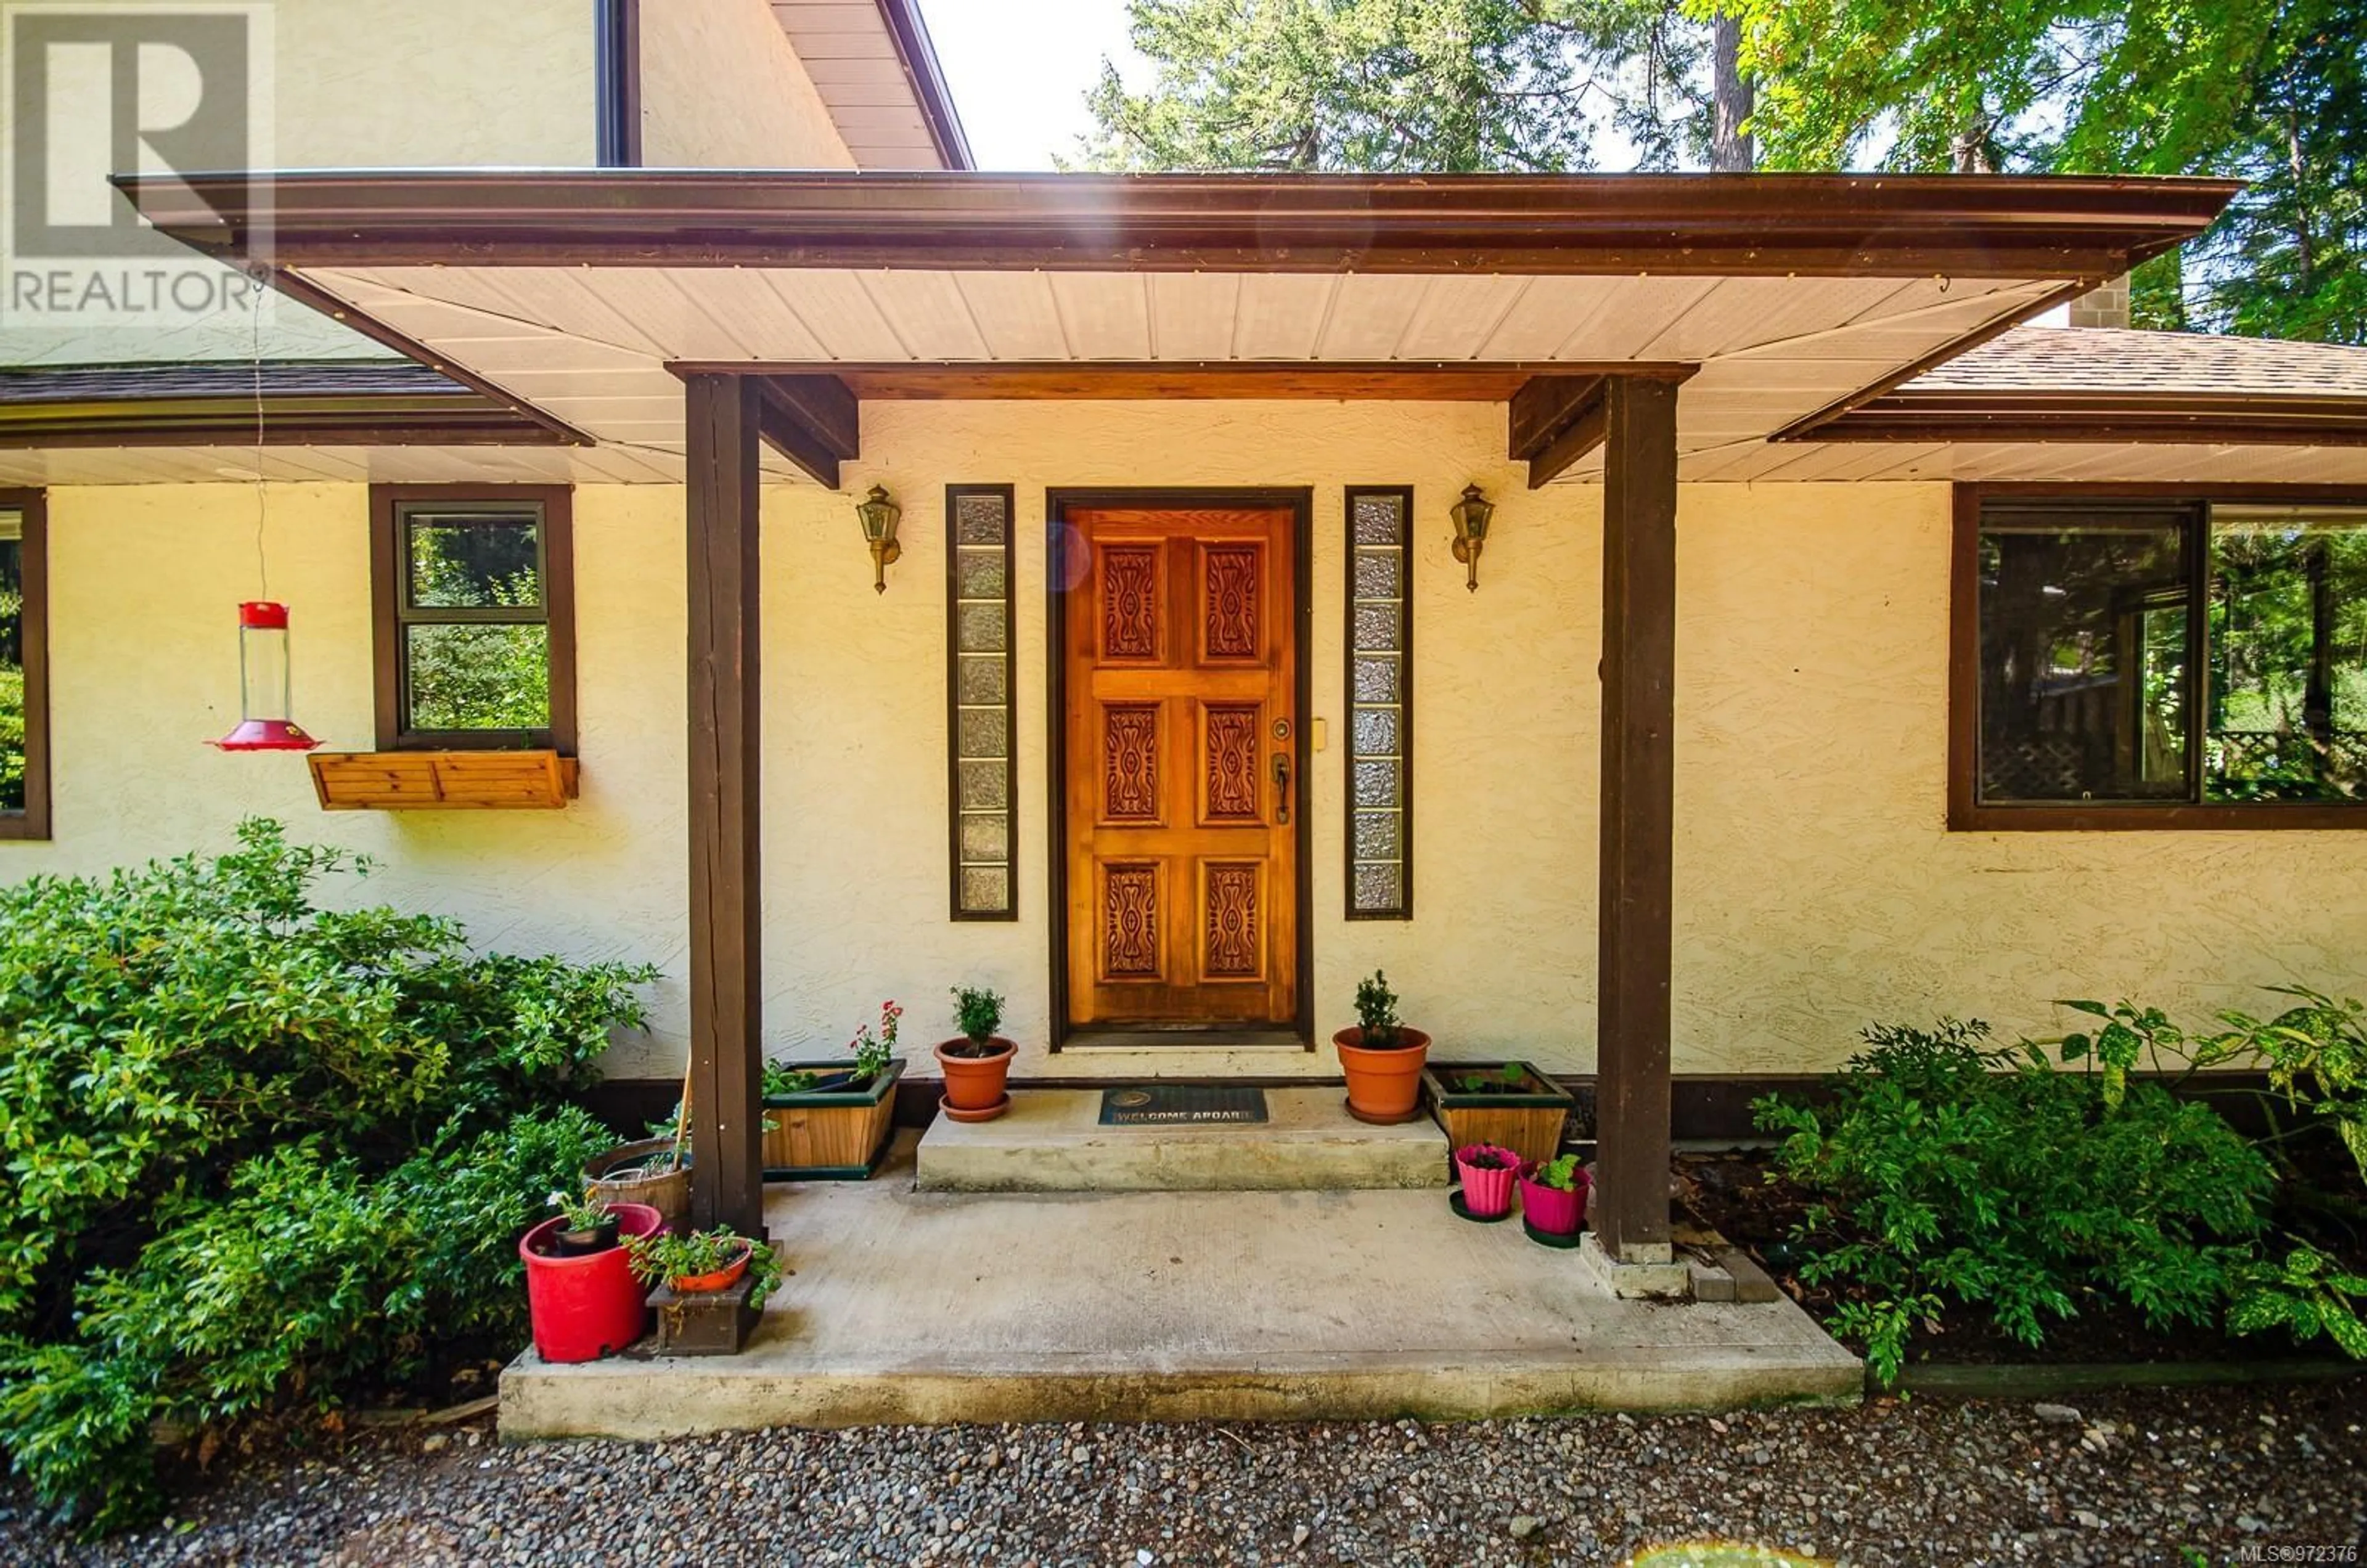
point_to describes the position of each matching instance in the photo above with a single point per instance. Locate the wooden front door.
(1182, 793)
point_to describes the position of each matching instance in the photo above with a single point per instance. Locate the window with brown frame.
(2143, 659)
(474, 606)
(23, 666)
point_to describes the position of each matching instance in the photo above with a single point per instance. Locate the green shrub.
(256, 1150)
(1949, 1170)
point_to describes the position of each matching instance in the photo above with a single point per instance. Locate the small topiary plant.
(978, 1013)
(1376, 1013)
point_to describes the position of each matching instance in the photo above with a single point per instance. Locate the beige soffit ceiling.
(877, 74)
(583, 295)
(592, 346)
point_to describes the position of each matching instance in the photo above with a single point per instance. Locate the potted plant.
(978, 1061)
(705, 1261)
(586, 1305)
(832, 1121)
(591, 1224)
(1381, 1056)
(1553, 1200)
(1487, 1173)
(1510, 1104)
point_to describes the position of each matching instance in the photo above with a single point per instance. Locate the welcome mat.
(1169, 1103)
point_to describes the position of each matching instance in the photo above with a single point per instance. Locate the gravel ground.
(2127, 1479)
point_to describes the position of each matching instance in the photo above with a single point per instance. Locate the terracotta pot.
(1383, 1086)
(1487, 1191)
(976, 1083)
(723, 1279)
(1550, 1209)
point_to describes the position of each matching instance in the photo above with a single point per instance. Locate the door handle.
(1282, 786)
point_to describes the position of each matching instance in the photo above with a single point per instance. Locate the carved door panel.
(1182, 745)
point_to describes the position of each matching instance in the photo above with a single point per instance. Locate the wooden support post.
(727, 1183)
(1640, 650)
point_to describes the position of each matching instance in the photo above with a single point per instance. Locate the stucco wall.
(722, 89)
(1816, 887)
(370, 84)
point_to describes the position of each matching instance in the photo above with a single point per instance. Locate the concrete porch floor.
(912, 1306)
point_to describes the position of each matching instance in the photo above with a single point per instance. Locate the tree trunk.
(2305, 243)
(1972, 152)
(1733, 97)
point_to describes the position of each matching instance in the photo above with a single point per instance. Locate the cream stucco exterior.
(721, 89)
(1816, 885)
(373, 84)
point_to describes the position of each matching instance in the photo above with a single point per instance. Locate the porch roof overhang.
(2079, 403)
(583, 295)
(282, 403)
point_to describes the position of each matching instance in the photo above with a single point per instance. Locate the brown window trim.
(33, 637)
(387, 502)
(1967, 812)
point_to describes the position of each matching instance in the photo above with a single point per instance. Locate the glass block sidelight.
(980, 725)
(1380, 702)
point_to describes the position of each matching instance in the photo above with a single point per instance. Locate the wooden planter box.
(1528, 1119)
(831, 1135)
(441, 781)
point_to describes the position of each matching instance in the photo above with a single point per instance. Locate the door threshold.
(1122, 1039)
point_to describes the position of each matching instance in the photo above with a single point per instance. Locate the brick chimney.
(2106, 306)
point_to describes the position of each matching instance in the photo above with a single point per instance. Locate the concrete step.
(1052, 1141)
(951, 1306)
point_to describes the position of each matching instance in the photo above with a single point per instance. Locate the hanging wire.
(254, 355)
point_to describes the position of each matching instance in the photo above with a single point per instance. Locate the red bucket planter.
(585, 1308)
(1486, 1193)
(1551, 1210)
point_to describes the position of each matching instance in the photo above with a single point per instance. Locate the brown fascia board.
(360, 420)
(2083, 230)
(2169, 417)
(919, 57)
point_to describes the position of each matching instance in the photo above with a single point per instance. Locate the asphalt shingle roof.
(2110, 359)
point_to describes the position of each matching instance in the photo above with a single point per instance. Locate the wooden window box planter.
(1527, 1120)
(831, 1135)
(442, 781)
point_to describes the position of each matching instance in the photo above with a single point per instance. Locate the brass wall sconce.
(1471, 516)
(879, 516)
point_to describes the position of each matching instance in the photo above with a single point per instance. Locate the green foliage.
(1377, 1013)
(1458, 85)
(2307, 1294)
(2315, 1057)
(1559, 1172)
(304, 1276)
(581, 1208)
(780, 1082)
(873, 1051)
(666, 1256)
(1510, 1078)
(483, 674)
(1948, 1170)
(254, 1148)
(978, 1013)
(2270, 91)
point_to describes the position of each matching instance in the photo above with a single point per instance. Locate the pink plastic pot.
(585, 1308)
(1550, 1209)
(1486, 1193)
